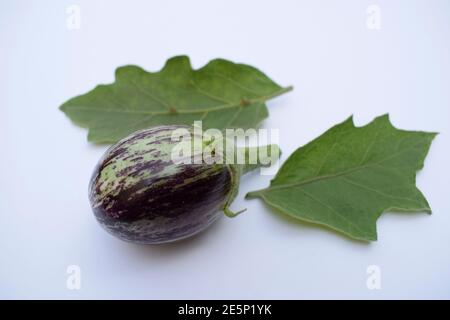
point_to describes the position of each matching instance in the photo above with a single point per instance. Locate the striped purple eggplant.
(140, 195)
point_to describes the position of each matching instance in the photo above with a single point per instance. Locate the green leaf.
(222, 94)
(346, 178)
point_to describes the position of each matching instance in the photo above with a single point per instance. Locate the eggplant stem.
(232, 214)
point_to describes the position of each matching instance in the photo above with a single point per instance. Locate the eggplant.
(140, 195)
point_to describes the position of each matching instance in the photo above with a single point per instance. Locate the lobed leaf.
(346, 178)
(222, 94)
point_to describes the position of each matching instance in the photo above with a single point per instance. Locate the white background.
(338, 67)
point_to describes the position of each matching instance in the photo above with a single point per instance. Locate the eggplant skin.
(138, 194)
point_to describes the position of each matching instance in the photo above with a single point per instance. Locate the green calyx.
(254, 158)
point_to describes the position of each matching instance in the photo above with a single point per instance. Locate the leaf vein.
(377, 191)
(337, 174)
(350, 223)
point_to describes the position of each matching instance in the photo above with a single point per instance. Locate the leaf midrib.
(188, 111)
(337, 174)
